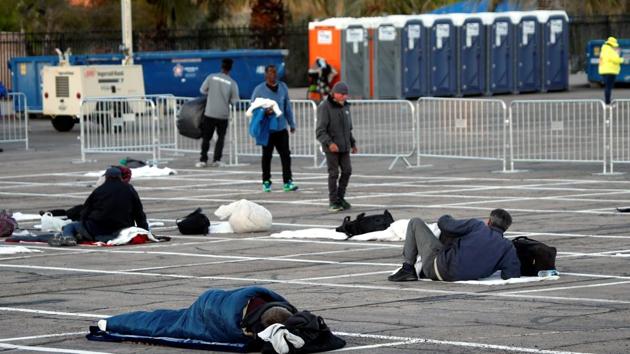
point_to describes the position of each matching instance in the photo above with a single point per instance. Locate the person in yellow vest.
(609, 65)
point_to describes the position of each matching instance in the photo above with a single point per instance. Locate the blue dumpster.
(528, 52)
(443, 55)
(181, 73)
(177, 73)
(593, 48)
(26, 78)
(500, 55)
(415, 56)
(472, 56)
(555, 50)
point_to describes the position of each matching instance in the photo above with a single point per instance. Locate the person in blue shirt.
(3, 91)
(467, 249)
(278, 91)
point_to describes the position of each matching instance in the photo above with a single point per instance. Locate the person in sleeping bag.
(223, 316)
(468, 249)
(111, 207)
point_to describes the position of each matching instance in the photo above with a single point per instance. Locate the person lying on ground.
(466, 250)
(242, 316)
(111, 207)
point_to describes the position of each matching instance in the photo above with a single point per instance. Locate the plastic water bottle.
(548, 273)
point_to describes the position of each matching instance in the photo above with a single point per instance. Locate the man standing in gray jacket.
(334, 132)
(221, 90)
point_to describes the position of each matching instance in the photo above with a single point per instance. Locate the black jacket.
(334, 125)
(113, 206)
(475, 250)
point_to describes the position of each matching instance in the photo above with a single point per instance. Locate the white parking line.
(47, 349)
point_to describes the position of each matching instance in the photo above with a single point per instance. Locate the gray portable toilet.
(555, 62)
(443, 73)
(415, 55)
(472, 55)
(528, 51)
(355, 56)
(500, 53)
(388, 57)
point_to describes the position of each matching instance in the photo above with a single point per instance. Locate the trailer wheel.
(63, 123)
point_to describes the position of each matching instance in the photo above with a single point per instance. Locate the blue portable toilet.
(472, 55)
(443, 55)
(555, 73)
(528, 51)
(26, 78)
(500, 53)
(415, 56)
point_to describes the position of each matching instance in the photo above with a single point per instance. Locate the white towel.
(280, 337)
(264, 103)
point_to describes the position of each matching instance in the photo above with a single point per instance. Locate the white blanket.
(221, 227)
(24, 217)
(495, 279)
(245, 216)
(126, 235)
(394, 233)
(16, 249)
(141, 172)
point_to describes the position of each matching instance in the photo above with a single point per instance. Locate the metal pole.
(127, 32)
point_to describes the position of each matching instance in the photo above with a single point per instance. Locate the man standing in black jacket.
(334, 132)
(467, 249)
(113, 206)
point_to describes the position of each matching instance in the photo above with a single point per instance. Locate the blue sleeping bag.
(215, 317)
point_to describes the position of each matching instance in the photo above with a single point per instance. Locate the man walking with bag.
(279, 136)
(221, 90)
(334, 132)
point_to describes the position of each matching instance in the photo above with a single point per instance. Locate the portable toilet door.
(528, 54)
(355, 60)
(443, 56)
(387, 58)
(415, 56)
(555, 26)
(472, 56)
(500, 54)
(324, 41)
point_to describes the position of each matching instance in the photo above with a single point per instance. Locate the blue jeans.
(71, 229)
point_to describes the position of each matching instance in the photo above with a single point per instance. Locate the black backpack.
(313, 330)
(534, 255)
(195, 223)
(364, 224)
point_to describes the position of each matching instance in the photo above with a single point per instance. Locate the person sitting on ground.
(111, 207)
(466, 250)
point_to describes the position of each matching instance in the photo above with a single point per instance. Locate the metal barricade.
(558, 130)
(462, 128)
(167, 108)
(14, 119)
(119, 125)
(619, 132)
(302, 142)
(384, 128)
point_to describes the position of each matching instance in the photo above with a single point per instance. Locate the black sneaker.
(403, 275)
(344, 204)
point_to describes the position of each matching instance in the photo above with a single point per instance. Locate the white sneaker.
(201, 164)
(217, 164)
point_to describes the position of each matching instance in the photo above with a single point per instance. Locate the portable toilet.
(472, 55)
(357, 56)
(324, 41)
(500, 54)
(415, 58)
(555, 73)
(443, 55)
(528, 51)
(388, 57)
